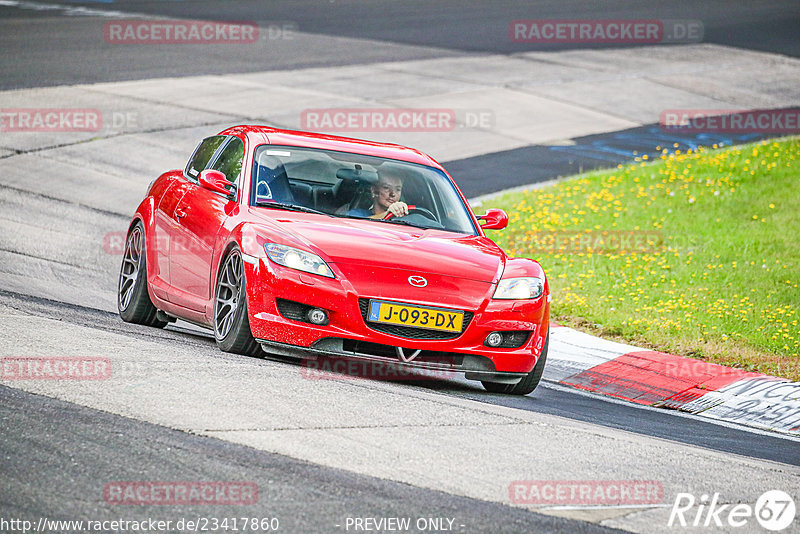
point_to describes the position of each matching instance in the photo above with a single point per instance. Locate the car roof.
(265, 135)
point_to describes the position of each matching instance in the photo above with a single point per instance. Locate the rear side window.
(229, 161)
(202, 155)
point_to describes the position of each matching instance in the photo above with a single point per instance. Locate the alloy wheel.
(131, 267)
(228, 289)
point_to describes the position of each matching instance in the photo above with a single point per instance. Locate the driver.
(386, 195)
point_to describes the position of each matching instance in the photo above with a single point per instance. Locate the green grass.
(695, 254)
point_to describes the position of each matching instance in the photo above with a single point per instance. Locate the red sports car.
(317, 246)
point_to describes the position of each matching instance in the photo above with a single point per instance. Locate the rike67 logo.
(774, 510)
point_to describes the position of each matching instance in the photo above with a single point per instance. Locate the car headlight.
(519, 288)
(294, 258)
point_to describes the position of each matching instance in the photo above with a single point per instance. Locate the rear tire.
(231, 325)
(133, 301)
(528, 382)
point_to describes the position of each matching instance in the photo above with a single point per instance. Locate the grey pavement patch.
(46, 278)
(532, 98)
(103, 448)
(226, 96)
(146, 156)
(58, 248)
(206, 405)
(72, 183)
(665, 59)
(34, 226)
(382, 84)
(115, 114)
(522, 116)
(495, 70)
(613, 97)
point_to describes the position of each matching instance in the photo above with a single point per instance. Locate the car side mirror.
(217, 182)
(494, 219)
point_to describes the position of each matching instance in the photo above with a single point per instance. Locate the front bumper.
(348, 335)
(438, 366)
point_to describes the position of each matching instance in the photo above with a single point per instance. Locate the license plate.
(415, 316)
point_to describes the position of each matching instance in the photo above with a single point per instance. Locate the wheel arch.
(145, 214)
(244, 237)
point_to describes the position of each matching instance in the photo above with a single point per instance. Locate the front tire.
(528, 382)
(231, 325)
(133, 301)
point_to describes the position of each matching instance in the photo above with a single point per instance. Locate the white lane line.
(606, 507)
(74, 11)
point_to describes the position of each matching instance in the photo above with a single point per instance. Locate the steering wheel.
(265, 196)
(427, 214)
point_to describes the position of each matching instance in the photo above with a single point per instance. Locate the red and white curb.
(658, 379)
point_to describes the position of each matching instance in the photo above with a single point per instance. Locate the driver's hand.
(399, 209)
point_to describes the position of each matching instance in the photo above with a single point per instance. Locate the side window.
(202, 155)
(229, 161)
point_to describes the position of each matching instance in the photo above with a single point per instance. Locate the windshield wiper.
(290, 207)
(395, 220)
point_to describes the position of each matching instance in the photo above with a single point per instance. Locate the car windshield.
(343, 184)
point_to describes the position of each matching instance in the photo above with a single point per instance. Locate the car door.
(166, 225)
(163, 230)
(201, 214)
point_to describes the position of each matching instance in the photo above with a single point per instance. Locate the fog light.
(317, 316)
(495, 339)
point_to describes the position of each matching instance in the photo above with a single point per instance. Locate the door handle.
(179, 213)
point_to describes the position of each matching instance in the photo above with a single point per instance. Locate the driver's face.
(388, 191)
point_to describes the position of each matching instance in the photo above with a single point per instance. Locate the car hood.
(378, 245)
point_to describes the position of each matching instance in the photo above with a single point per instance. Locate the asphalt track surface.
(549, 398)
(55, 453)
(58, 456)
(41, 46)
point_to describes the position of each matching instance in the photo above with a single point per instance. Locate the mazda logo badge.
(417, 281)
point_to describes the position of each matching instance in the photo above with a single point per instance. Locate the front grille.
(449, 359)
(409, 332)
